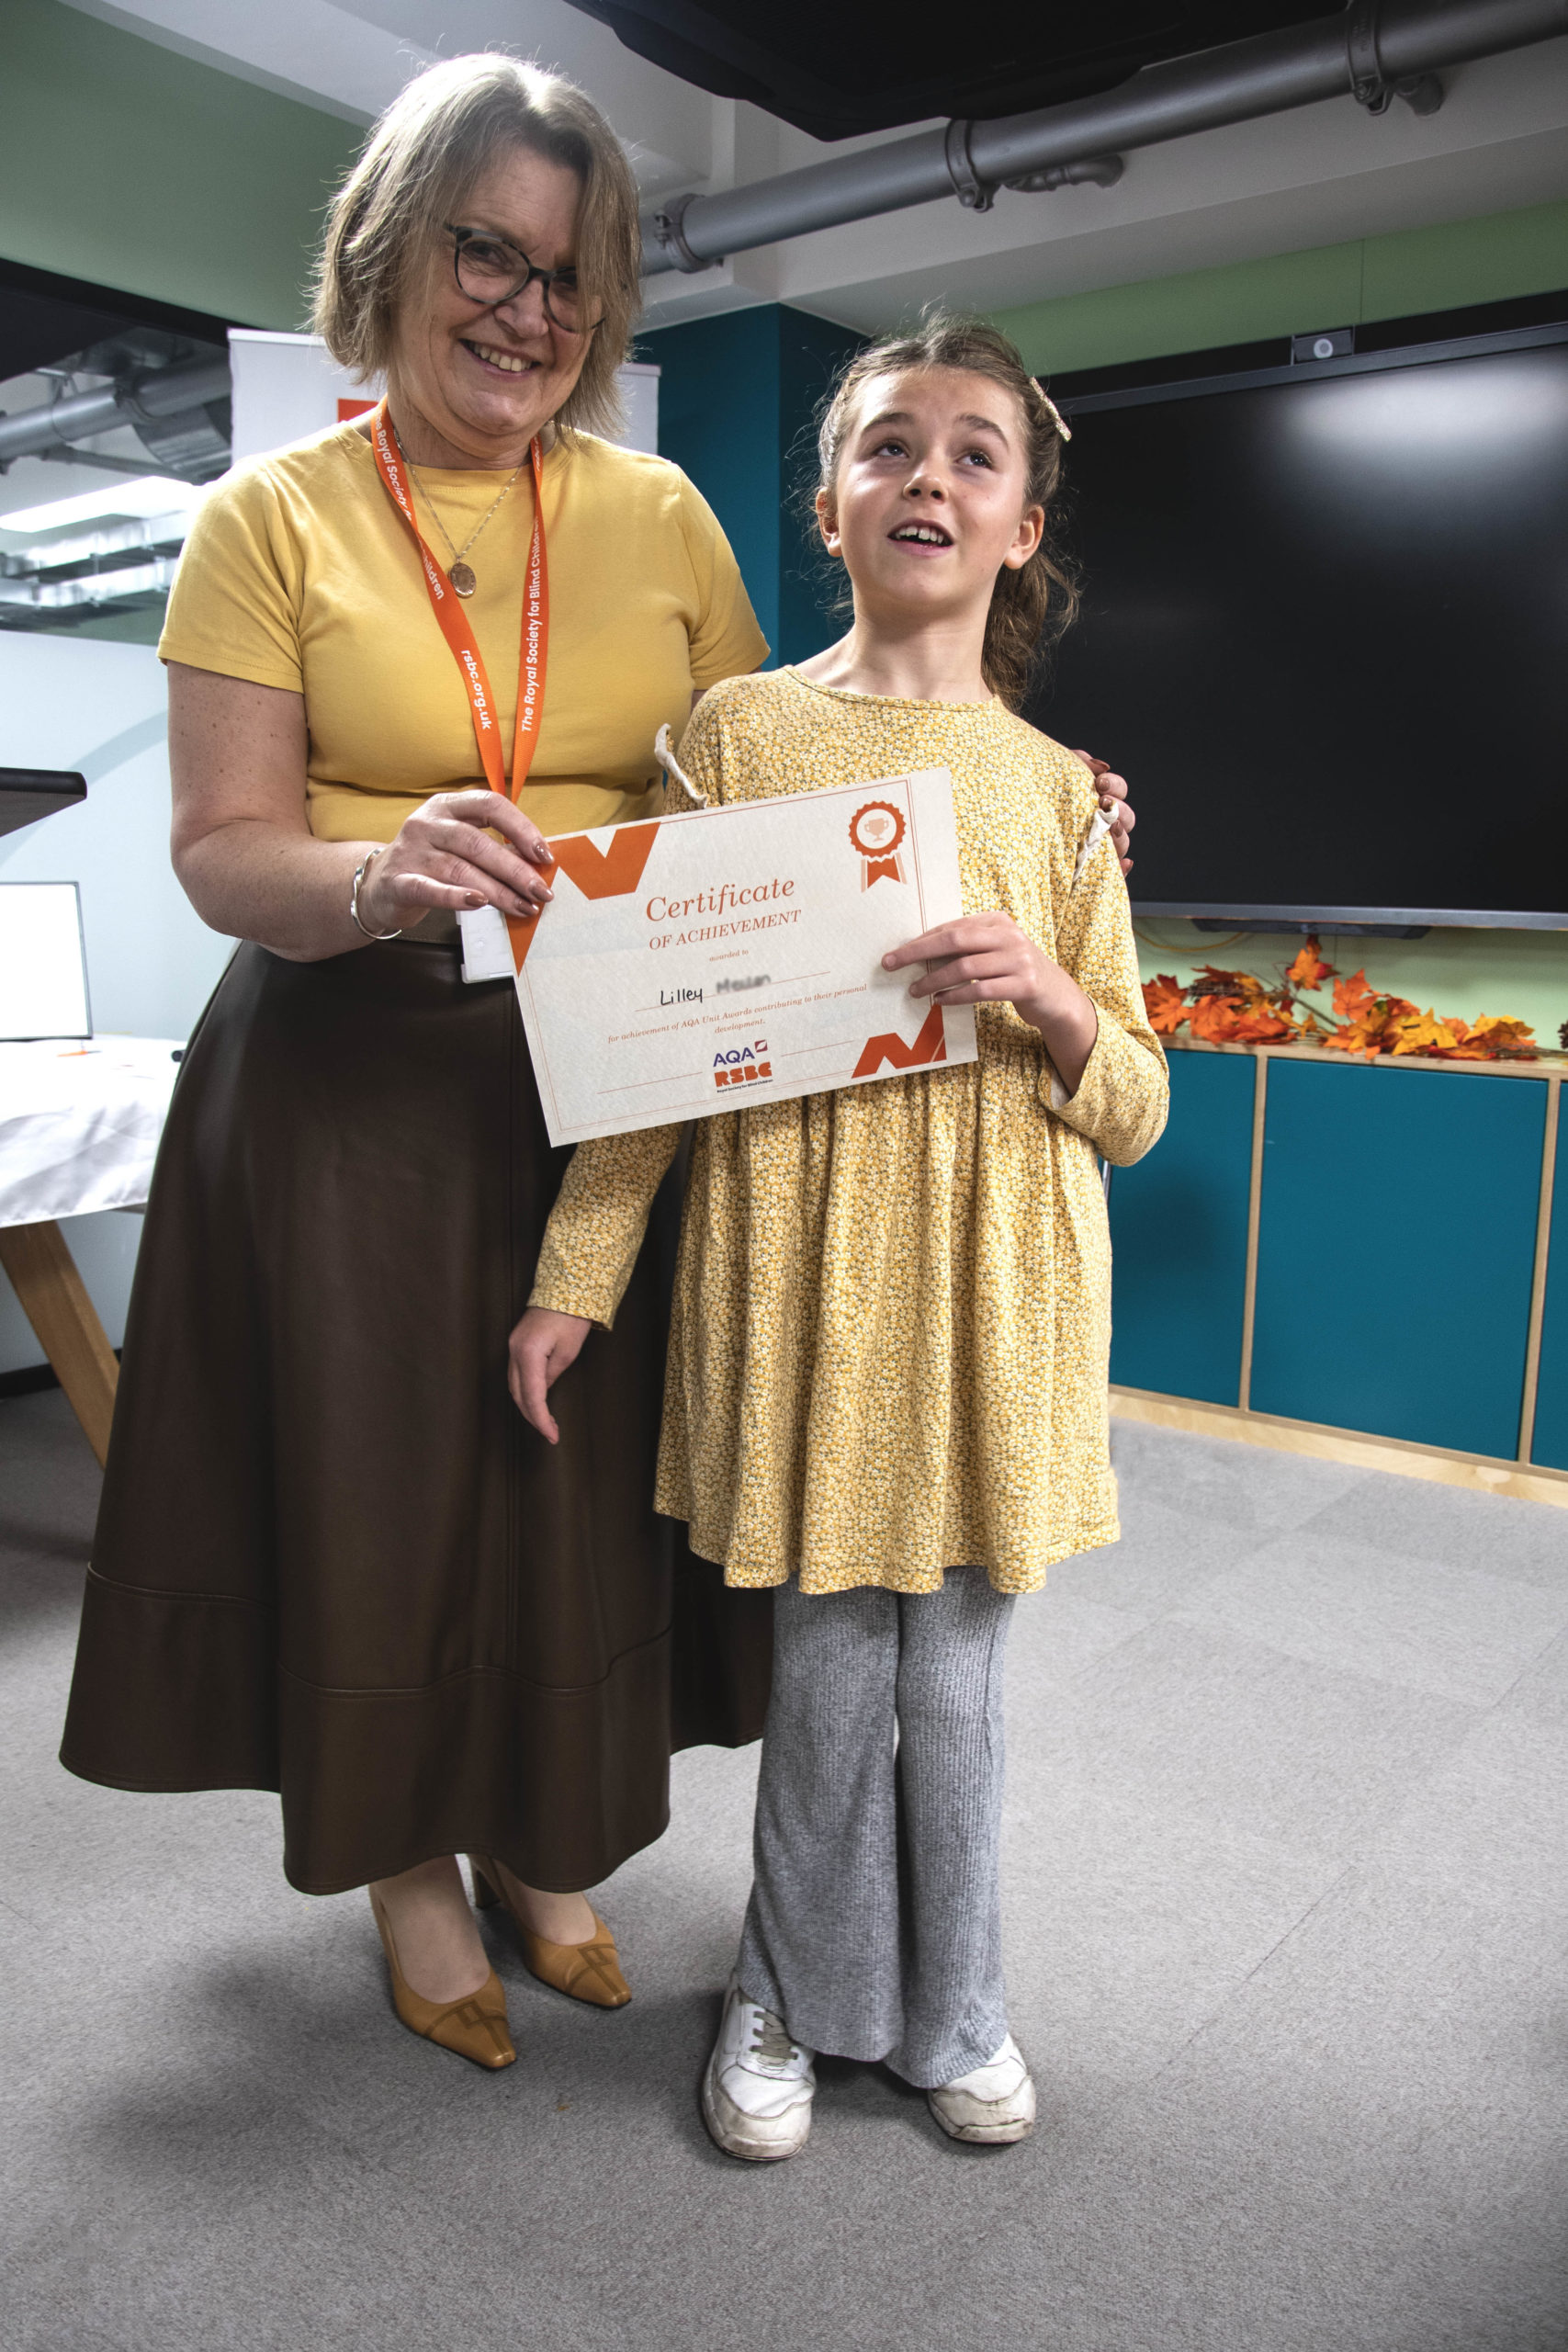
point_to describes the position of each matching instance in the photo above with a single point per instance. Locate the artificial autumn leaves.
(1236, 1007)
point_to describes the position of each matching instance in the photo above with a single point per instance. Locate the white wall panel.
(152, 963)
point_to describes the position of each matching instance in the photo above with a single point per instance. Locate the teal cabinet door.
(1550, 1445)
(1396, 1251)
(1179, 1237)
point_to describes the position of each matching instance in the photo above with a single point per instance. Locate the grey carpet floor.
(1286, 1874)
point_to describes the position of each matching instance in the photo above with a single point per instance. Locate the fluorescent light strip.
(120, 539)
(140, 495)
(96, 588)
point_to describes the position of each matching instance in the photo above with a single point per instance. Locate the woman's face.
(484, 381)
(931, 498)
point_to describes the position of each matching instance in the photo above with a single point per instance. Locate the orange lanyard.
(454, 621)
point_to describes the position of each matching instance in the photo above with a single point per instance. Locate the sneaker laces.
(769, 2038)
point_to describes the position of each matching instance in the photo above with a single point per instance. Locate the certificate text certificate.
(692, 964)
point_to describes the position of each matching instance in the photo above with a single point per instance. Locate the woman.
(332, 1559)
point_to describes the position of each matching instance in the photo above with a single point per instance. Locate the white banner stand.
(286, 386)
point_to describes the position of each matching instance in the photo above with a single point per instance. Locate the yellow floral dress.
(892, 1321)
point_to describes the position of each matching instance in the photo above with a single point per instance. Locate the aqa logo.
(738, 1064)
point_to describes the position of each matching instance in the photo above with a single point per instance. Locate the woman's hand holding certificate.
(742, 954)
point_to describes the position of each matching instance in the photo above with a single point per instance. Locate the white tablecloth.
(79, 1126)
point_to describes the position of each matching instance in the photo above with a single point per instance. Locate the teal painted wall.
(1489, 259)
(1551, 1446)
(718, 420)
(1179, 1230)
(738, 397)
(1352, 1327)
(812, 352)
(1365, 1333)
(127, 167)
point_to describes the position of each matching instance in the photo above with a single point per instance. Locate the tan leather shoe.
(588, 1971)
(473, 2028)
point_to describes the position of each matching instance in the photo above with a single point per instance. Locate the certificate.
(692, 964)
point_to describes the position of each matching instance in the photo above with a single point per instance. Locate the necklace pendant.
(462, 578)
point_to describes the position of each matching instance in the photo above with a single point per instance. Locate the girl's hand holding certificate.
(987, 959)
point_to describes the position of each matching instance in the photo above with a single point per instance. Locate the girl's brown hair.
(1030, 607)
(385, 229)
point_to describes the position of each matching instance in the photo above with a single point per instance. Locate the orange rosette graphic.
(876, 830)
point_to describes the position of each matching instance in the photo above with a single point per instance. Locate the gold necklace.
(459, 573)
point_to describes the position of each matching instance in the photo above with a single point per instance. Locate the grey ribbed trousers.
(875, 1924)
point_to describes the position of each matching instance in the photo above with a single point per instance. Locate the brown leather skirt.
(332, 1559)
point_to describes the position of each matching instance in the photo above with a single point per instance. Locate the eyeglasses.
(492, 270)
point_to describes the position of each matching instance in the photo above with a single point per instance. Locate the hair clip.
(1056, 415)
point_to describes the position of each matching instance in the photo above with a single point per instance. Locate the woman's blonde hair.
(440, 133)
(1030, 607)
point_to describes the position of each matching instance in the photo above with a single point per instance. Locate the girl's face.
(931, 497)
(488, 378)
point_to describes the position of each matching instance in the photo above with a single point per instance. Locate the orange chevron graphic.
(613, 873)
(929, 1047)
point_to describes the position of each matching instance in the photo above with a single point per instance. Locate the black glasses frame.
(531, 270)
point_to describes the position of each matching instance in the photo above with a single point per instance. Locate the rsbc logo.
(741, 1065)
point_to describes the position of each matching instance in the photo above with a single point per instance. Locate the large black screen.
(1324, 632)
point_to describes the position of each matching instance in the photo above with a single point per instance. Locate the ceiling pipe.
(1374, 50)
(161, 392)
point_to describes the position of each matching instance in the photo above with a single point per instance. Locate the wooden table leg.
(54, 1299)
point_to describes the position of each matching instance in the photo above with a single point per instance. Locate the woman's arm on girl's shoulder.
(1121, 1101)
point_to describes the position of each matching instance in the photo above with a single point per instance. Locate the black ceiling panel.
(839, 71)
(44, 319)
(36, 331)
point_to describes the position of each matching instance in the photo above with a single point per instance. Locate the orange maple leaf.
(1372, 1025)
(1309, 971)
(1262, 1024)
(1351, 1041)
(1221, 1019)
(1214, 1018)
(1499, 1036)
(1422, 1033)
(1165, 1002)
(1353, 997)
(1237, 1008)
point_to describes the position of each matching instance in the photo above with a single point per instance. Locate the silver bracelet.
(359, 873)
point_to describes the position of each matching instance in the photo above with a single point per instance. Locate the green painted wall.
(130, 168)
(1500, 255)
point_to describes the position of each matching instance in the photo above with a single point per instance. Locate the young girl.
(886, 1390)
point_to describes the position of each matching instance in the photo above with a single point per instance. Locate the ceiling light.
(139, 495)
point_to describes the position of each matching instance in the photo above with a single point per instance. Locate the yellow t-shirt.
(299, 574)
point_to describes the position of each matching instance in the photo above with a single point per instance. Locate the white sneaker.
(993, 2105)
(758, 2089)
